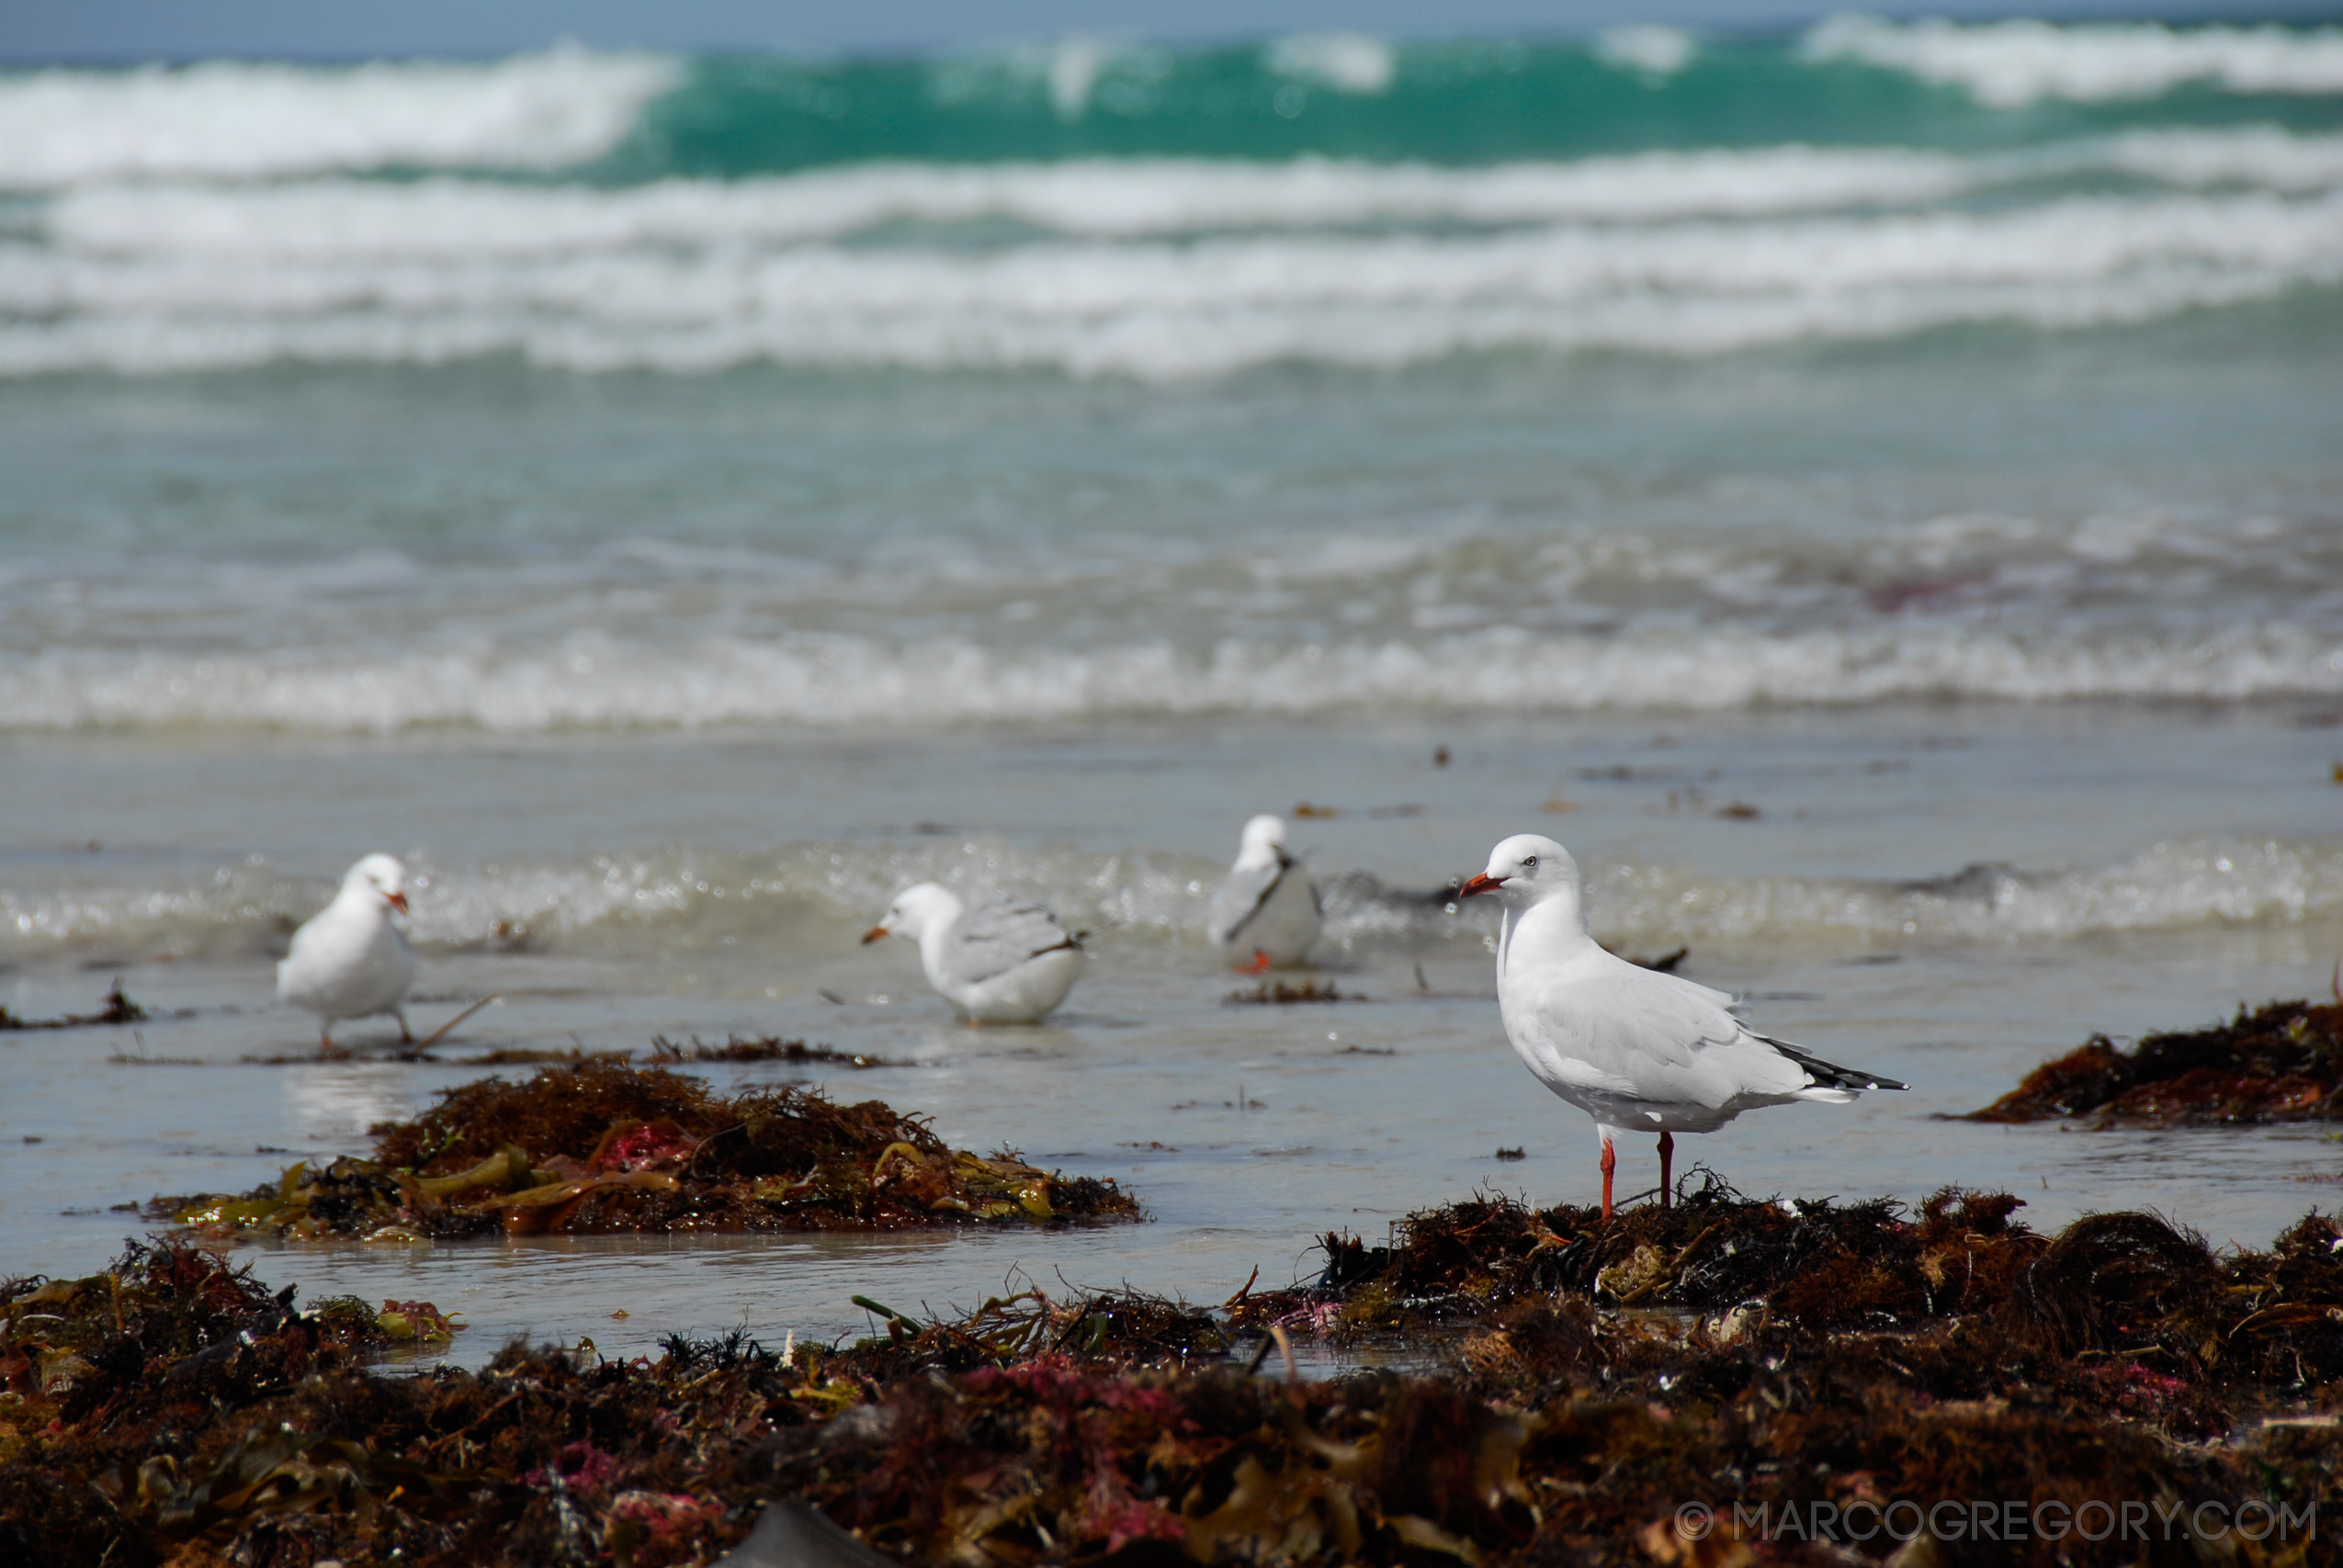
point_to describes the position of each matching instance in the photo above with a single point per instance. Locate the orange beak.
(875, 934)
(398, 901)
(1481, 882)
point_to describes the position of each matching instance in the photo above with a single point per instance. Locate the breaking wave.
(677, 901)
(2011, 64)
(242, 122)
(1460, 101)
(1152, 311)
(840, 679)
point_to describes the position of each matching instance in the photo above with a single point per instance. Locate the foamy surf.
(444, 218)
(2013, 63)
(1159, 311)
(850, 679)
(671, 903)
(234, 120)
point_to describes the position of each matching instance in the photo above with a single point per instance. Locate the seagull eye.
(1530, 864)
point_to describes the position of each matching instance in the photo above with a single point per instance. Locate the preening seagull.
(349, 960)
(1265, 913)
(1002, 961)
(1633, 1048)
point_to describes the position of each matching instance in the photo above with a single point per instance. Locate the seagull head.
(914, 910)
(1264, 839)
(1526, 869)
(379, 876)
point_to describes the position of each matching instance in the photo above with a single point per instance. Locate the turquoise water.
(1467, 103)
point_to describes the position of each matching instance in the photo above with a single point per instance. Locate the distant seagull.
(348, 960)
(1635, 1049)
(1265, 913)
(1005, 961)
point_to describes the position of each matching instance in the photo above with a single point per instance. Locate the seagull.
(1266, 910)
(1635, 1049)
(348, 960)
(1005, 961)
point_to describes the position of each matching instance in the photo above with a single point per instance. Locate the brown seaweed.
(114, 1007)
(600, 1145)
(1280, 993)
(2125, 1296)
(173, 1410)
(764, 1048)
(2281, 1062)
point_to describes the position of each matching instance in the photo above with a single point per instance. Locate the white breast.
(348, 961)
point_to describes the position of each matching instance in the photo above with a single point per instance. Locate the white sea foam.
(1166, 311)
(2113, 601)
(2172, 886)
(1649, 47)
(238, 121)
(1349, 62)
(681, 900)
(1136, 198)
(840, 679)
(2013, 63)
(1073, 69)
(1168, 268)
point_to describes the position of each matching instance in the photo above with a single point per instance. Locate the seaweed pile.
(1117, 1429)
(2281, 1062)
(2119, 1314)
(106, 1382)
(601, 1145)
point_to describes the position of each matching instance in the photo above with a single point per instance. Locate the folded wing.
(997, 936)
(1242, 893)
(1642, 1035)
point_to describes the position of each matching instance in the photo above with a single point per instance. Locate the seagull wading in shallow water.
(348, 960)
(1265, 913)
(1004, 961)
(1633, 1048)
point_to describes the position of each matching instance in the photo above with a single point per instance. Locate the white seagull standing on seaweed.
(1265, 913)
(349, 960)
(1635, 1049)
(1004, 961)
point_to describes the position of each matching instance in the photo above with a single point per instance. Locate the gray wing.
(998, 935)
(1239, 897)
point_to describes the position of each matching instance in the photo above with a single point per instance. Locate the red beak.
(875, 934)
(398, 901)
(1482, 883)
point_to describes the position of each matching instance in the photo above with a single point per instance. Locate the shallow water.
(2111, 911)
(674, 504)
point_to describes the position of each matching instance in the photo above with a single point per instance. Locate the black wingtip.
(1829, 1075)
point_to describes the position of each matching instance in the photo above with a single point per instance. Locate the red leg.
(1667, 1168)
(1610, 1164)
(1259, 963)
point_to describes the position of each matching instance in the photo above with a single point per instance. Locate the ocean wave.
(631, 629)
(2173, 886)
(1650, 49)
(1348, 62)
(652, 902)
(1162, 312)
(858, 679)
(241, 122)
(673, 902)
(1465, 102)
(448, 218)
(2013, 63)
